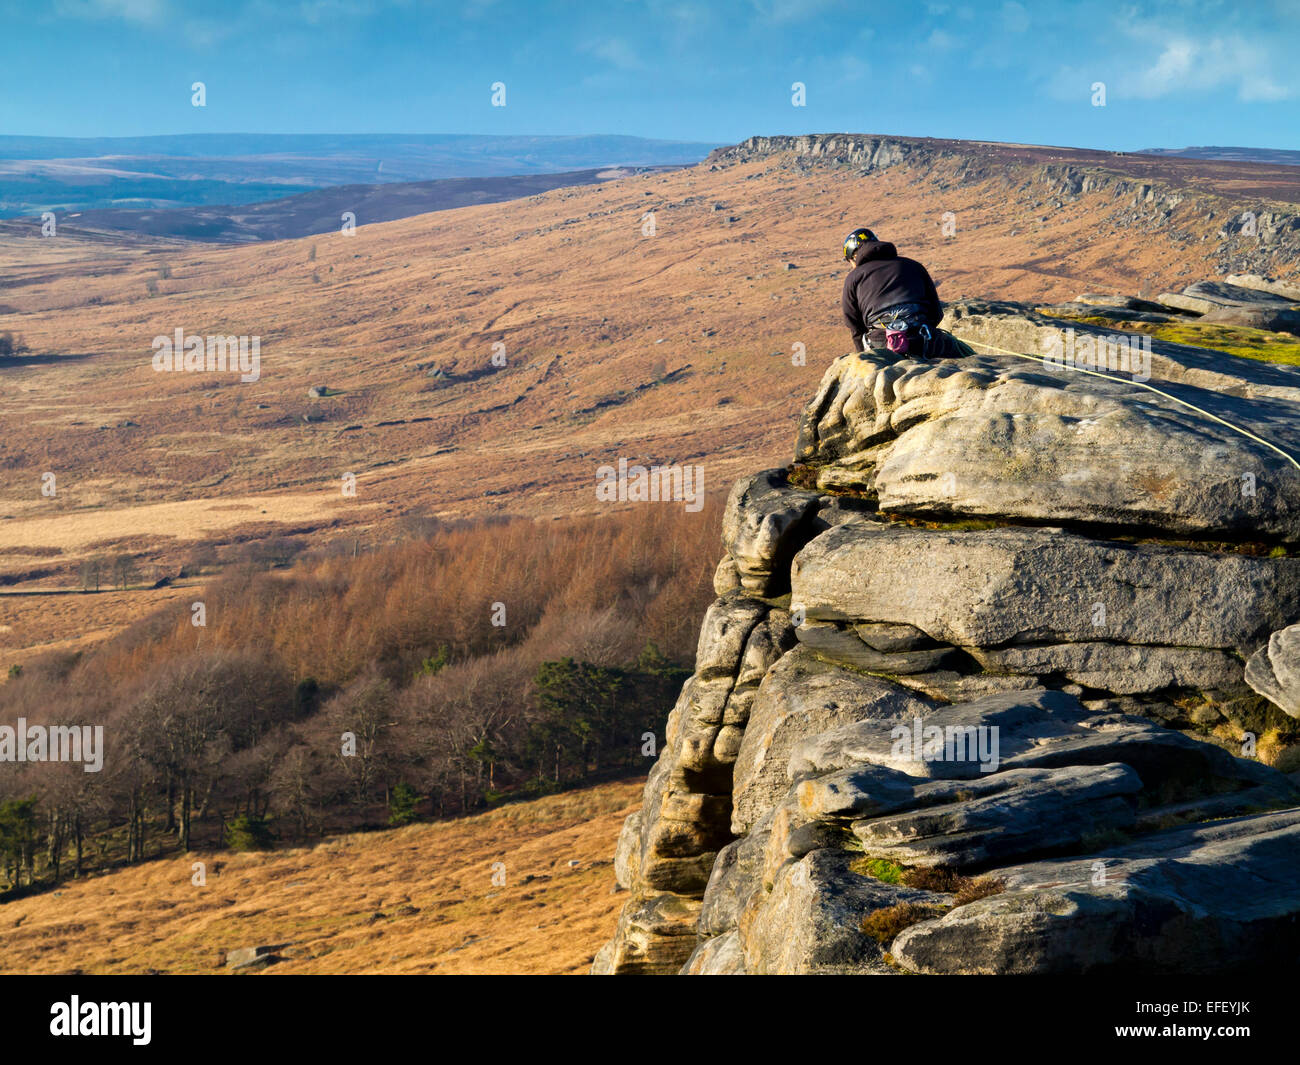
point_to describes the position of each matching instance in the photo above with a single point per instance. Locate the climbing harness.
(906, 330)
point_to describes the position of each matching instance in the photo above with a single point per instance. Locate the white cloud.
(315, 12)
(1169, 58)
(683, 15)
(1184, 64)
(1174, 69)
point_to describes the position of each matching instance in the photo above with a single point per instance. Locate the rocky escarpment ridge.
(993, 681)
(1252, 234)
(1245, 300)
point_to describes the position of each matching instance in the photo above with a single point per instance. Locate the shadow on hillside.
(39, 360)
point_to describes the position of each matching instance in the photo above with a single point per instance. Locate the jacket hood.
(875, 249)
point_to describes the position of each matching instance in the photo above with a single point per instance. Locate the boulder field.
(1002, 676)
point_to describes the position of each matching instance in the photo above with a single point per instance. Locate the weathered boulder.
(667, 849)
(739, 639)
(949, 686)
(977, 437)
(864, 789)
(764, 524)
(1119, 668)
(627, 855)
(802, 695)
(1204, 297)
(1116, 299)
(1111, 312)
(1275, 319)
(248, 959)
(720, 956)
(737, 874)
(1021, 719)
(912, 744)
(889, 639)
(1071, 778)
(1209, 898)
(1288, 290)
(842, 643)
(1012, 730)
(655, 934)
(811, 922)
(1219, 382)
(1033, 810)
(726, 578)
(1274, 670)
(991, 587)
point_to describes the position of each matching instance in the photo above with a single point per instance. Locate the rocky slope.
(1254, 217)
(996, 680)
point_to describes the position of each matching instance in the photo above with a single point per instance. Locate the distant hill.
(78, 173)
(311, 213)
(1240, 155)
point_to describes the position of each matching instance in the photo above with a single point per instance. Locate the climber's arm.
(934, 306)
(852, 316)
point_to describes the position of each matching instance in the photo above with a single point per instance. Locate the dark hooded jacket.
(881, 278)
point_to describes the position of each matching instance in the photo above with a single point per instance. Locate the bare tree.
(91, 572)
(123, 570)
(197, 712)
(365, 710)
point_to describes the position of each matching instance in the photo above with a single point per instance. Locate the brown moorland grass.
(418, 899)
(330, 617)
(668, 348)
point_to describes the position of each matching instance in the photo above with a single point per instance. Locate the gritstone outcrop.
(991, 681)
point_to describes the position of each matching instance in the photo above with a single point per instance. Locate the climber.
(890, 303)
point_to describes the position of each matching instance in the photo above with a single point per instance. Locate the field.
(419, 899)
(675, 347)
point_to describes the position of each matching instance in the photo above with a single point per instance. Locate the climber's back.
(890, 302)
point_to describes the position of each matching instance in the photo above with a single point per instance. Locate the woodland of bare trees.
(431, 677)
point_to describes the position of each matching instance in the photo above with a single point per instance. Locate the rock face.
(1206, 296)
(982, 688)
(977, 437)
(1222, 898)
(995, 587)
(1288, 290)
(250, 958)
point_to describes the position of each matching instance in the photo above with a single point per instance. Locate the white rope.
(1149, 388)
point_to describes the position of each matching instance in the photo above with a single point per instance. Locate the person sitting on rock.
(890, 302)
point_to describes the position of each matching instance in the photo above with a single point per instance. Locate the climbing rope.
(1149, 388)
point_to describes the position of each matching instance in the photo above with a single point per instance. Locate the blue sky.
(1176, 74)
